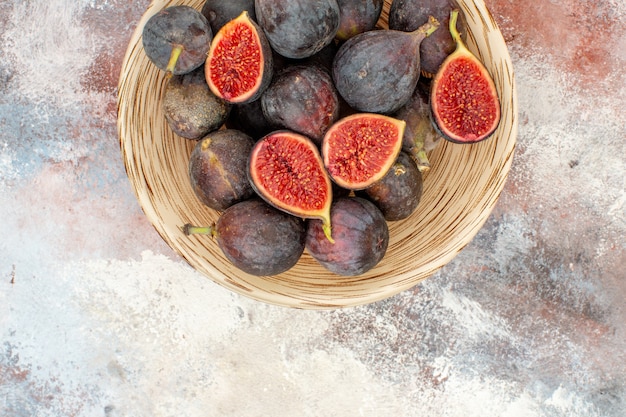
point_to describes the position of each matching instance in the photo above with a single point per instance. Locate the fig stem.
(327, 231)
(171, 65)
(456, 36)
(429, 27)
(189, 229)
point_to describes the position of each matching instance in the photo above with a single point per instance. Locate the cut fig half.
(358, 150)
(239, 65)
(287, 171)
(464, 102)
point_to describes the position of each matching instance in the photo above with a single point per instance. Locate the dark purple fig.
(377, 71)
(357, 16)
(257, 238)
(249, 118)
(220, 12)
(360, 234)
(420, 136)
(464, 102)
(408, 15)
(177, 39)
(358, 150)
(218, 168)
(322, 59)
(398, 193)
(298, 28)
(191, 109)
(303, 99)
(287, 171)
(239, 66)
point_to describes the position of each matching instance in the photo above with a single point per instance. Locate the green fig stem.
(189, 229)
(171, 65)
(421, 159)
(456, 36)
(429, 27)
(327, 230)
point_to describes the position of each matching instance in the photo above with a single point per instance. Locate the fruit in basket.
(464, 101)
(358, 150)
(360, 233)
(420, 136)
(398, 193)
(257, 238)
(302, 98)
(220, 12)
(218, 167)
(357, 16)
(408, 15)
(249, 118)
(239, 65)
(286, 170)
(298, 28)
(190, 108)
(377, 71)
(176, 39)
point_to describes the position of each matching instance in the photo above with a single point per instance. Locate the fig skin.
(377, 71)
(357, 16)
(360, 233)
(303, 99)
(257, 238)
(298, 28)
(398, 193)
(218, 167)
(220, 12)
(249, 118)
(190, 108)
(408, 15)
(177, 39)
(420, 136)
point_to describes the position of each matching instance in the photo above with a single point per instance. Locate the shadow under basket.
(460, 190)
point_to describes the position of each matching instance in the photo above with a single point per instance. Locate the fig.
(398, 193)
(357, 16)
(176, 39)
(298, 28)
(218, 167)
(286, 170)
(464, 102)
(420, 136)
(220, 12)
(249, 118)
(303, 99)
(191, 109)
(358, 150)
(256, 238)
(408, 15)
(377, 71)
(360, 233)
(239, 65)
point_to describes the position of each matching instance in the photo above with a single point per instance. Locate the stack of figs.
(312, 125)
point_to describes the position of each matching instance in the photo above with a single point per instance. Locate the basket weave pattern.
(460, 190)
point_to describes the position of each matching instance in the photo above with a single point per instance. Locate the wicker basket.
(459, 191)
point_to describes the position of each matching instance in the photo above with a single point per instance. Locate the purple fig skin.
(420, 135)
(220, 12)
(298, 28)
(177, 29)
(257, 238)
(357, 16)
(218, 168)
(302, 99)
(190, 108)
(398, 193)
(377, 71)
(360, 233)
(408, 15)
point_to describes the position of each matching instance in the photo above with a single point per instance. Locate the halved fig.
(239, 65)
(358, 150)
(464, 102)
(287, 171)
